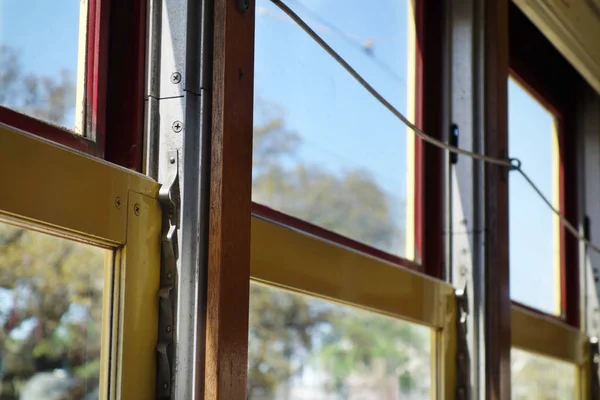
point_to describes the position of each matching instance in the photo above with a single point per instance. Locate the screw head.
(172, 160)
(165, 385)
(177, 126)
(118, 202)
(168, 328)
(175, 77)
(169, 275)
(136, 209)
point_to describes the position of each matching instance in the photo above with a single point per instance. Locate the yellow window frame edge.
(56, 190)
(546, 336)
(289, 259)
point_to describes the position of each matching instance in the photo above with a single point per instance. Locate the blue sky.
(341, 126)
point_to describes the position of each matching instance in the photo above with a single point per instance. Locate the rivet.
(165, 385)
(168, 328)
(169, 275)
(172, 160)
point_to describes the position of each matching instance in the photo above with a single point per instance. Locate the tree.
(351, 204)
(53, 319)
(540, 378)
(290, 331)
(49, 98)
(359, 355)
(50, 288)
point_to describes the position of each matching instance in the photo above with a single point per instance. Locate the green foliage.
(282, 327)
(55, 289)
(289, 331)
(49, 98)
(351, 203)
(540, 378)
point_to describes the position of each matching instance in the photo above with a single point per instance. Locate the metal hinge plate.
(169, 199)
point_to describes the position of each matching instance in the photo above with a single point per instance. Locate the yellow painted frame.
(546, 336)
(56, 190)
(411, 112)
(289, 259)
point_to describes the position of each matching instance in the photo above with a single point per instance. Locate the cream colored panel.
(573, 26)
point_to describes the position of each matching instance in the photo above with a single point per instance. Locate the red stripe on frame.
(125, 98)
(47, 131)
(96, 72)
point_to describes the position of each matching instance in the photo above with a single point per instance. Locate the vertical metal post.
(590, 272)
(589, 269)
(462, 186)
(178, 111)
(478, 56)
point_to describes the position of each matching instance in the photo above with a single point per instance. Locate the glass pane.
(541, 378)
(534, 265)
(303, 348)
(39, 58)
(325, 150)
(50, 316)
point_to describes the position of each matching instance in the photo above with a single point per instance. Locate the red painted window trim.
(125, 77)
(94, 68)
(546, 75)
(428, 168)
(430, 197)
(46, 130)
(114, 97)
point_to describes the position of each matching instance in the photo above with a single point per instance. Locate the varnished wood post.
(230, 202)
(496, 265)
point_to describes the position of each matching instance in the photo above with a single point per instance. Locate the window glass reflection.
(50, 316)
(541, 378)
(325, 150)
(534, 230)
(301, 348)
(39, 58)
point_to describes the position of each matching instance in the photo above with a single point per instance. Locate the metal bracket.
(168, 198)
(243, 6)
(463, 361)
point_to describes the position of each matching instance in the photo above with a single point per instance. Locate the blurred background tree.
(46, 97)
(289, 332)
(50, 288)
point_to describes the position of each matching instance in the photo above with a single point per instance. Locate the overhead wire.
(351, 40)
(513, 164)
(436, 142)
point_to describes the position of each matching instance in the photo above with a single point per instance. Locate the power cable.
(513, 164)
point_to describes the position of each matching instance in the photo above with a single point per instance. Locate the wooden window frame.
(544, 335)
(113, 97)
(535, 64)
(58, 191)
(290, 259)
(428, 160)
